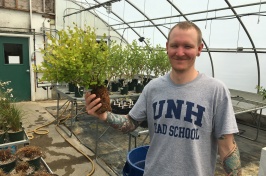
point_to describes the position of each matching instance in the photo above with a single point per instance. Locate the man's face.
(183, 48)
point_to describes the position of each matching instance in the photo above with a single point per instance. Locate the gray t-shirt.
(185, 122)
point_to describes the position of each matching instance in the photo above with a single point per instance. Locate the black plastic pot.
(16, 136)
(139, 88)
(124, 90)
(2, 138)
(79, 91)
(71, 87)
(114, 87)
(36, 163)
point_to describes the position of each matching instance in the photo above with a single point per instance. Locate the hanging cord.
(211, 31)
(207, 14)
(259, 13)
(44, 131)
(238, 36)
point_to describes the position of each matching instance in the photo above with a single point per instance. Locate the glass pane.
(13, 53)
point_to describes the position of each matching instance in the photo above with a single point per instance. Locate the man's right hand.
(92, 105)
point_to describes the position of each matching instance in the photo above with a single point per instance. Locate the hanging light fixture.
(141, 39)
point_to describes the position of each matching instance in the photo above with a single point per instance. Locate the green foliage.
(10, 115)
(14, 117)
(262, 91)
(76, 57)
(5, 103)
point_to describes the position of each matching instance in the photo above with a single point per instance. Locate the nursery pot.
(15, 136)
(8, 166)
(79, 91)
(131, 86)
(36, 163)
(135, 163)
(124, 90)
(135, 81)
(71, 87)
(139, 88)
(2, 138)
(115, 86)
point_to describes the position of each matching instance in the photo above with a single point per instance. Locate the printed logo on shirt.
(173, 110)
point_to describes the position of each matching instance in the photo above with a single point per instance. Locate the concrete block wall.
(262, 169)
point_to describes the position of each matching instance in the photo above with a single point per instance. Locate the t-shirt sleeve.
(225, 121)
(139, 110)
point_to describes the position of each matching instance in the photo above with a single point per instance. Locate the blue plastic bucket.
(135, 163)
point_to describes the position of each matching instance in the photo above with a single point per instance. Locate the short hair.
(187, 25)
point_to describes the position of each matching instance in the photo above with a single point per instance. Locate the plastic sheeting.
(233, 32)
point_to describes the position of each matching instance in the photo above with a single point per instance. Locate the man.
(189, 114)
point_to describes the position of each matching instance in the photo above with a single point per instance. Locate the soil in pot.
(102, 92)
(22, 168)
(30, 154)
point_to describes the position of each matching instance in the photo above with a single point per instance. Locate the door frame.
(31, 61)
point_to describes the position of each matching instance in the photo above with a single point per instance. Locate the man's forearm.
(231, 163)
(123, 123)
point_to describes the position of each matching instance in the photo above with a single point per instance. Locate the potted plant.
(160, 62)
(10, 114)
(7, 160)
(76, 57)
(30, 154)
(22, 168)
(14, 123)
(116, 63)
(2, 128)
(5, 99)
(262, 91)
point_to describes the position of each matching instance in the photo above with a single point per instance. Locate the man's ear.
(200, 49)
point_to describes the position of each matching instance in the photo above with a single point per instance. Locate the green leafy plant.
(14, 117)
(262, 91)
(75, 56)
(10, 114)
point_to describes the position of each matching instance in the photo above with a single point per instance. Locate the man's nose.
(179, 51)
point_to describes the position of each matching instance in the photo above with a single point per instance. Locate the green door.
(14, 66)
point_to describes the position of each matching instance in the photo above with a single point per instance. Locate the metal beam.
(250, 39)
(90, 8)
(202, 39)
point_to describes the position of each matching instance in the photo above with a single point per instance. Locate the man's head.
(184, 44)
(185, 26)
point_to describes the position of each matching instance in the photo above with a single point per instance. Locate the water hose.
(40, 131)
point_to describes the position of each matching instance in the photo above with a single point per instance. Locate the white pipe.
(262, 169)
